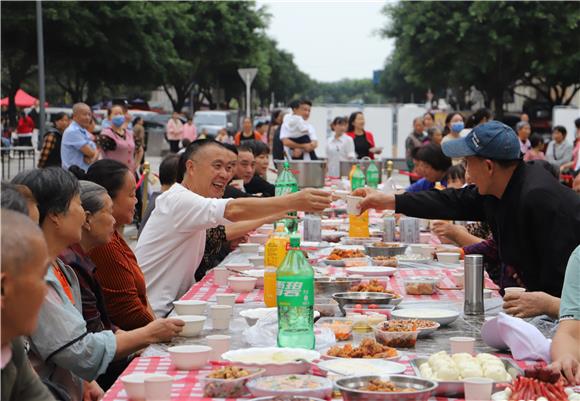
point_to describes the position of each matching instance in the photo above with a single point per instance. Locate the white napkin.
(523, 339)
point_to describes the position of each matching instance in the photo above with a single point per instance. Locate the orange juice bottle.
(274, 254)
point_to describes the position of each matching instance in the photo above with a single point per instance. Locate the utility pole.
(41, 88)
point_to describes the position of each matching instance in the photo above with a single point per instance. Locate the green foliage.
(489, 45)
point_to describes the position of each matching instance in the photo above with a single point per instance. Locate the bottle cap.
(294, 241)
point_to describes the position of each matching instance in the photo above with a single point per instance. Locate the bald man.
(23, 290)
(77, 147)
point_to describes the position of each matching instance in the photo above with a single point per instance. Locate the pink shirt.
(174, 130)
(189, 132)
(125, 150)
(534, 155)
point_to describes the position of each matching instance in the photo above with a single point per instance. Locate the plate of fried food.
(376, 286)
(425, 327)
(367, 349)
(340, 256)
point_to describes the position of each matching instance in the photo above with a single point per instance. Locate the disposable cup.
(514, 290)
(158, 387)
(459, 278)
(221, 275)
(226, 299)
(353, 204)
(219, 343)
(220, 316)
(478, 388)
(462, 344)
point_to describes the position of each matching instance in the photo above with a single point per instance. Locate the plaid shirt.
(47, 148)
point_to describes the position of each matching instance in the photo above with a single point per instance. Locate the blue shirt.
(423, 185)
(73, 139)
(570, 302)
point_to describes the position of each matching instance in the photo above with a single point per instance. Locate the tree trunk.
(498, 103)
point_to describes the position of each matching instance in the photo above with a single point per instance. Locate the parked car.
(214, 120)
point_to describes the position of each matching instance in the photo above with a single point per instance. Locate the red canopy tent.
(22, 99)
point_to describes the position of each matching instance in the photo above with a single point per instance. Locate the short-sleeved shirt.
(74, 138)
(172, 244)
(337, 150)
(294, 127)
(570, 301)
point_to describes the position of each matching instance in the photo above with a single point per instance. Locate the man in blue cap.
(534, 219)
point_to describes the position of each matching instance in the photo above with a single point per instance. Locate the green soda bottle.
(286, 184)
(373, 175)
(295, 299)
(358, 179)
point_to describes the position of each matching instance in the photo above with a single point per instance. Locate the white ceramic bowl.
(448, 257)
(191, 307)
(189, 357)
(193, 325)
(258, 239)
(257, 261)
(259, 274)
(276, 361)
(239, 266)
(249, 248)
(135, 385)
(242, 284)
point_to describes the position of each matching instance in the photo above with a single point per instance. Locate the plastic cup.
(158, 388)
(226, 299)
(353, 204)
(514, 290)
(462, 344)
(221, 275)
(220, 316)
(459, 279)
(219, 343)
(478, 388)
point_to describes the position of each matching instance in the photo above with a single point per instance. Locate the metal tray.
(455, 388)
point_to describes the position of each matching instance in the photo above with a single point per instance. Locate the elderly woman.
(117, 271)
(523, 129)
(66, 356)
(98, 230)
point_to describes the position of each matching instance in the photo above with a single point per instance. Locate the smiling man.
(171, 246)
(534, 219)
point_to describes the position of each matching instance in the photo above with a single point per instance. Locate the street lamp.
(248, 75)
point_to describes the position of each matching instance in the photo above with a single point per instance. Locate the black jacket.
(234, 193)
(258, 185)
(536, 223)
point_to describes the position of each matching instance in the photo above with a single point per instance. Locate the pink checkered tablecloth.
(205, 290)
(188, 386)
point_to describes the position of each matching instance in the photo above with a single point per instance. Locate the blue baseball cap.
(492, 140)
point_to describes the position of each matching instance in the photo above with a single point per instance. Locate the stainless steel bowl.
(349, 387)
(373, 251)
(367, 298)
(286, 398)
(346, 166)
(308, 173)
(327, 286)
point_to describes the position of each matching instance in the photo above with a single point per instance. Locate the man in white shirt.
(297, 134)
(171, 246)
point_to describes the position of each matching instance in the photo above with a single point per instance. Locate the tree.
(394, 85)
(489, 45)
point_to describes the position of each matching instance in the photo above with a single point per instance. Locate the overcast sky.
(331, 40)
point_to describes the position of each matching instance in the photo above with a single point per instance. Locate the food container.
(308, 173)
(359, 240)
(441, 316)
(350, 388)
(388, 261)
(421, 285)
(362, 298)
(297, 385)
(454, 388)
(228, 388)
(326, 307)
(385, 249)
(341, 327)
(326, 286)
(276, 361)
(395, 339)
(383, 311)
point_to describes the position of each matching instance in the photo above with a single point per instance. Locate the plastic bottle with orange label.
(274, 254)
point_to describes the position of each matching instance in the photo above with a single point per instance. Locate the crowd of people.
(78, 302)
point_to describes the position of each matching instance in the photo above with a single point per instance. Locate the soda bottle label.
(295, 292)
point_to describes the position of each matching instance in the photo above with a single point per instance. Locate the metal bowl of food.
(385, 388)
(385, 249)
(363, 298)
(327, 286)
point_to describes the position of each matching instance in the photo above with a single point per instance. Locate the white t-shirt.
(338, 150)
(294, 126)
(172, 243)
